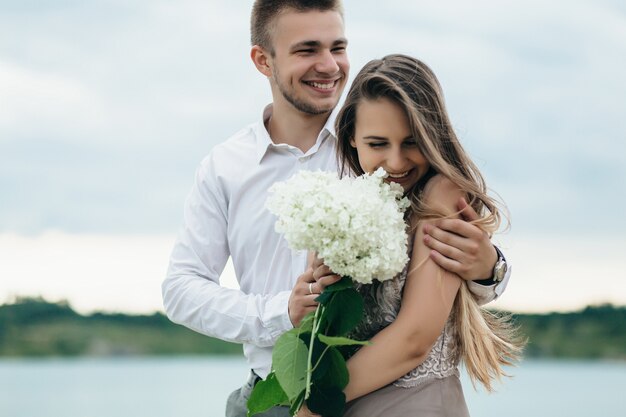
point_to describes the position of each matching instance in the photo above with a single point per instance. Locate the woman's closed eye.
(377, 144)
(407, 144)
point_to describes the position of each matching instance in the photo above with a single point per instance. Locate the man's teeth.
(326, 86)
(400, 175)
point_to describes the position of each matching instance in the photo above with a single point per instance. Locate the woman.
(424, 321)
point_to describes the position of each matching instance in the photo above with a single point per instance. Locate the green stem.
(309, 371)
(320, 359)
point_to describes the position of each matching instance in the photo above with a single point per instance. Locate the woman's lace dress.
(382, 304)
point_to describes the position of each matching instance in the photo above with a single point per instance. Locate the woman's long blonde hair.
(487, 341)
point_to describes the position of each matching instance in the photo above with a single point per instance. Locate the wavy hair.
(487, 341)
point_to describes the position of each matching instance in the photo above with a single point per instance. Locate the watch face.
(499, 270)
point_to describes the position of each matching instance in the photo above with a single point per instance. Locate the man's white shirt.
(224, 216)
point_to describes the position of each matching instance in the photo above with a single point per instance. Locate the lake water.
(198, 386)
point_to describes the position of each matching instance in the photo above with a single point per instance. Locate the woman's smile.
(383, 139)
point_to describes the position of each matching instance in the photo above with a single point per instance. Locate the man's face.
(310, 65)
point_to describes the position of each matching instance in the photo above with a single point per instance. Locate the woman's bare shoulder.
(441, 193)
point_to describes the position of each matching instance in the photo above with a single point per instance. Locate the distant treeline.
(35, 327)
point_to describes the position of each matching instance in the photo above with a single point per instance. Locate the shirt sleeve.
(192, 295)
(485, 294)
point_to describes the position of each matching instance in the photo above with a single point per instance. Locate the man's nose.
(327, 63)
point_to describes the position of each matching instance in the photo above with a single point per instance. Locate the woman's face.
(383, 139)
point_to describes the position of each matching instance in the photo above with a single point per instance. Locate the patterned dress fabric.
(382, 304)
(433, 389)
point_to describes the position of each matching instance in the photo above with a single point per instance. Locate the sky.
(107, 107)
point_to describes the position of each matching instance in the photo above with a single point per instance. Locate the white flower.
(355, 224)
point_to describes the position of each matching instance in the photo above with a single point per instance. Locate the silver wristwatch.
(500, 268)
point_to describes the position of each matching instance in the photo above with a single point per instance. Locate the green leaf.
(336, 372)
(289, 360)
(306, 324)
(326, 401)
(318, 350)
(342, 341)
(324, 297)
(265, 395)
(344, 312)
(342, 284)
(293, 410)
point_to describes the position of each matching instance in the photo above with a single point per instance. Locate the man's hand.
(301, 300)
(460, 247)
(322, 273)
(308, 286)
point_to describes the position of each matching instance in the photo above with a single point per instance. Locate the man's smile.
(326, 85)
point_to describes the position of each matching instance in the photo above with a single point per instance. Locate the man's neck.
(293, 127)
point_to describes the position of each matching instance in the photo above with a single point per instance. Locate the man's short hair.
(265, 12)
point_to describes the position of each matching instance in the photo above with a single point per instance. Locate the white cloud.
(93, 272)
(563, 274)
(106, 107)
(43, 101)
(125, 73)
(105, 101)
(548, 69)
(124, 272)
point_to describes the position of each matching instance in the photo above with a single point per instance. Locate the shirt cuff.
(487, 293)
(276, 317)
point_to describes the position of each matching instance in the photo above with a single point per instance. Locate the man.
(301, 48)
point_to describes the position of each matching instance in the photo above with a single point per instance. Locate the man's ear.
(261, 59)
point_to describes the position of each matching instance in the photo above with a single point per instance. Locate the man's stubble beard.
(300, 105)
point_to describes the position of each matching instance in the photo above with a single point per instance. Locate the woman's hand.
(461, 247)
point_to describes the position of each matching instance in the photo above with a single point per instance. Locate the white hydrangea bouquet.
(357, 226)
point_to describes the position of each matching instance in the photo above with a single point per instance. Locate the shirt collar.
(263, 140)
(329, 126)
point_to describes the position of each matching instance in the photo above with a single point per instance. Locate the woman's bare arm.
(427, 300)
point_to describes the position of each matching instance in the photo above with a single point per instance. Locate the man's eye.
(339, 49)
(305, 51)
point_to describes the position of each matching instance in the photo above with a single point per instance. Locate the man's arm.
(192, 295)
(464, 249)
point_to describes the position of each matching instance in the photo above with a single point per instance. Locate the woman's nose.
(396, 161)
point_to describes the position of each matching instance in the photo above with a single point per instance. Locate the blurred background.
(107, 108)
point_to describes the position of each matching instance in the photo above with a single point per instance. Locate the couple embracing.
(422, 323)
